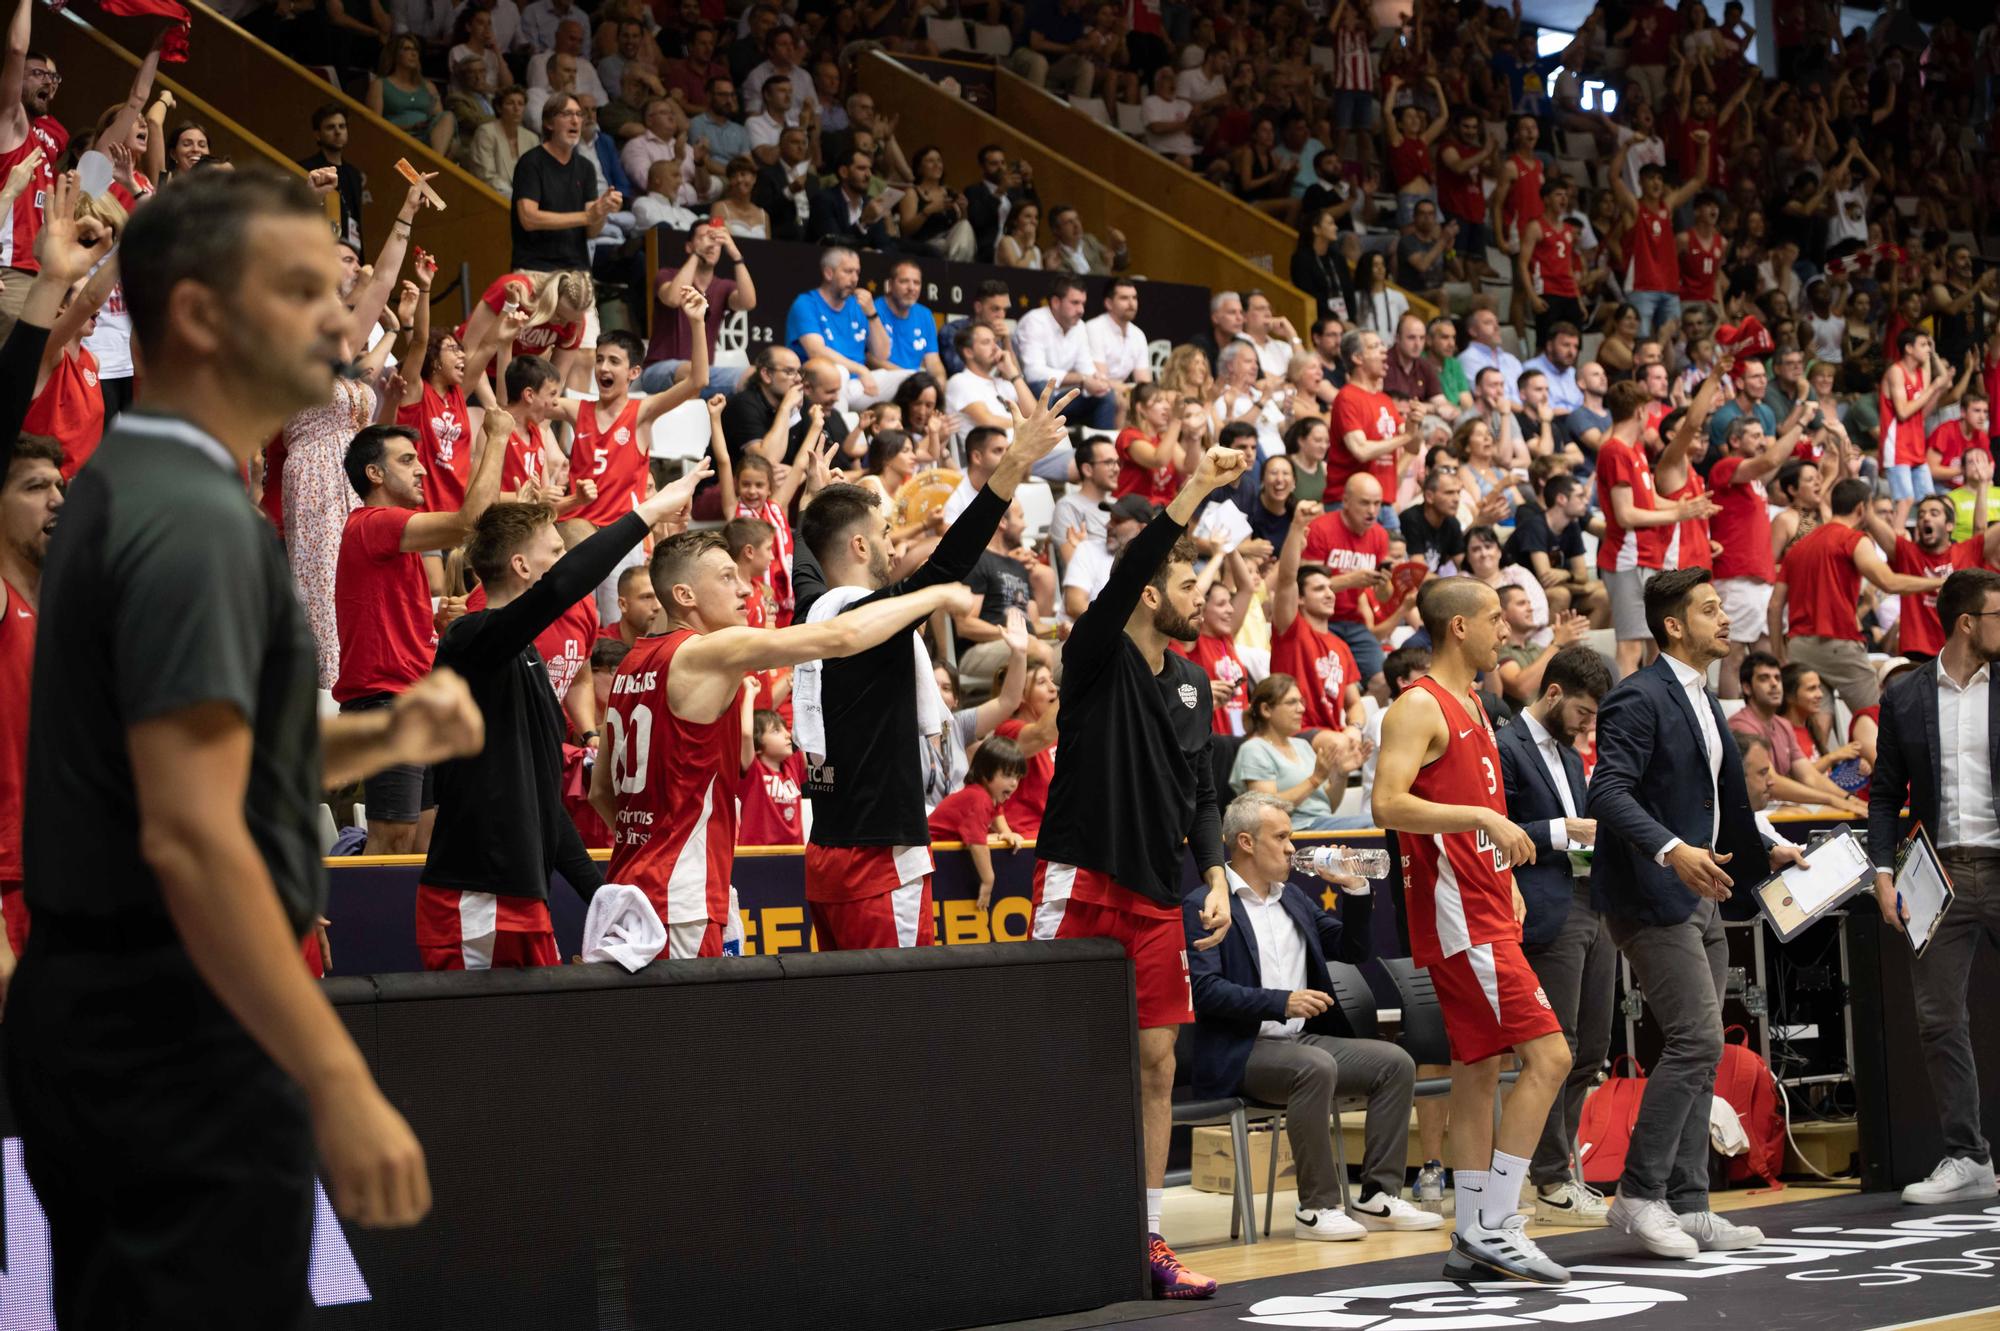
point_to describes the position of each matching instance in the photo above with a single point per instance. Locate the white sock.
(1503, 1189)
(1468, 1188)
(1153, 1209)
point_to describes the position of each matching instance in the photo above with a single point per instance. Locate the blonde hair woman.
(558, 304)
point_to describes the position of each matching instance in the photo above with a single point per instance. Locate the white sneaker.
(1505, 1253)
(1385, 1212)
(1570, 1203)
(1329, 1224)
(1653, 1225)
(1954, 1180)
(1712, 1233)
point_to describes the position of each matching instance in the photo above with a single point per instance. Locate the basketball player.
(668, 787)
(1135, 783)
(1437, 784)
(860, 720)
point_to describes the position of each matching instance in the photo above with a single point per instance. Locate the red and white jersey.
(1322, 665)
(565, 645)
(781, 554)
(536, 340)
(1655, 265)
(444, 446)
(615, 457)
(674, 783)
(1700, 262)
(70, 410)
(1906, 435)
(17, 661)
(1620, 463)
(1353, 64)
(1553, 263)
(770, 813)
(527, 459)
(1455, 884)
(17, 238)
(1218, 659)
(1523, 203)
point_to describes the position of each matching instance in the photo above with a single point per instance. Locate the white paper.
(1920, 883)
(94, 173)
(1829, 873)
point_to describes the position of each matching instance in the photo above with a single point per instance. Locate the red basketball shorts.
(1082, 903)
(861, 897)
(476, 931)
(1491, 1001)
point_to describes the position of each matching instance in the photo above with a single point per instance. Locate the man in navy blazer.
(1563, 937)
(1261, 999)
(844, 214)
(1674, 835)
(1940, 719)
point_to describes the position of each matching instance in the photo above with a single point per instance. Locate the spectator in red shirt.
(1932, 555)
(974, 813)
(1222, 607)
(1369, 432)
(31, 498)
(1303, 643)
(382, 602)
(1033, 730)
(68, 405)
(1151, 461)
(1820, 579)
(773, 774)
(1949, 441)
(1354, 541)
(1744, 567)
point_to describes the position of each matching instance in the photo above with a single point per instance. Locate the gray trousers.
(1578, 971)
(1682, 970)
(1940, 977)
(1305, 1073)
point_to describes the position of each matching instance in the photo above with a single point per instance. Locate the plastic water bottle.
(1353, 861)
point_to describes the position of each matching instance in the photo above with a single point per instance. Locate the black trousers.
(173, 1159)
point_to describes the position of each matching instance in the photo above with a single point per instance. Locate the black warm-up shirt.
(501, 825)
(1133, 779)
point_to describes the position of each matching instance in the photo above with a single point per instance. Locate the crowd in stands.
(1743, 322)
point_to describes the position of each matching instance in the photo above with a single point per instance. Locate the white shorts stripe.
(906, 903)
(1048, 919)
(478, 921)
(684, 940)
(1448, 905)
(687, 885)
(1480, 958)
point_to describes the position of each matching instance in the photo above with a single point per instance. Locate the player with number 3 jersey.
(666, 781)
(1438, 787)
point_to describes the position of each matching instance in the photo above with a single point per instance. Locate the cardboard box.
(1213, 1159)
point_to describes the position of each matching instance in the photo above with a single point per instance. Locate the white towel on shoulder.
(622, 926)
(809, 683)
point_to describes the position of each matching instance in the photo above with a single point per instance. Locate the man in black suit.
(1673, 819)
(1267, 1027)
(845, 215)
(991, 199)
(1563, 937)
(783, 183)
(1936, 719)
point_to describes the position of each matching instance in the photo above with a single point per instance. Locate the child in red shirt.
(768, 801)
(971, 813)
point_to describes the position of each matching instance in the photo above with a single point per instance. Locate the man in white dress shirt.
(1938, 744)
(1054, 348)
(541, 20)
(1117, 344)
(980, 394)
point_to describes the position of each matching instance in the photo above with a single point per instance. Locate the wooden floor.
(1197, 1224)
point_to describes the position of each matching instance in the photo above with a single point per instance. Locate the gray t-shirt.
(164, 589)
(1262, 760)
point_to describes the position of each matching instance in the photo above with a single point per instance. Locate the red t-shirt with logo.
(17, 237)
(1031, 797)
(1743, 526)
(1620, 463)
(1323, 667)
(966, 815)
(1921, 630)
(1330, 541)
(444, 446)
(565, 645)
(1218, 659)
(1700, 263)
(381, 606)
(70, 409)
(615, 457)
(526, 460)
(1376, 417)
(768, 803)
(537, 340)
(1156, 485)
(1824, 586)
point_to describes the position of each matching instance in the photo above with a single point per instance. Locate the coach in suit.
(1563, 937)
(1674, 835)
(1263, 1005)
(1936, 719)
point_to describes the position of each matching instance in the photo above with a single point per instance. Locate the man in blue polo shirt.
(837, 320)
(913, 330)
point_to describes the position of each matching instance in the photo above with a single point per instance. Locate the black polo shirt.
(559, 187)
(164, 589)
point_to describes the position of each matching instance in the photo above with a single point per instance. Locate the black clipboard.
(1916, 861)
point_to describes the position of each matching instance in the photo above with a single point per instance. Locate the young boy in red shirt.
(773, 772)
(972, 813)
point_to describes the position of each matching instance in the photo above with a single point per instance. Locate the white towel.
(809, 679)
(622, 926)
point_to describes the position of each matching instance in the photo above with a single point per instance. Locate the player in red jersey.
(28, 83)
(613, 446)
(1703, 252)
(1304, 644)
(31, 498)
(1548, 263)
(1438, 787)
(667, 782)
(1648, 221)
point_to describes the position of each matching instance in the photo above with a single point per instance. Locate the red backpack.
(1604, 1129)
(1744, 1080)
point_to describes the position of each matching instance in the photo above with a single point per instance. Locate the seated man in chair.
(1264, 1008)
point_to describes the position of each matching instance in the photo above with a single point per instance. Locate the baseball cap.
(1132, 507)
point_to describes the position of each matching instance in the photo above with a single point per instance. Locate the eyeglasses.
(54, 79)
